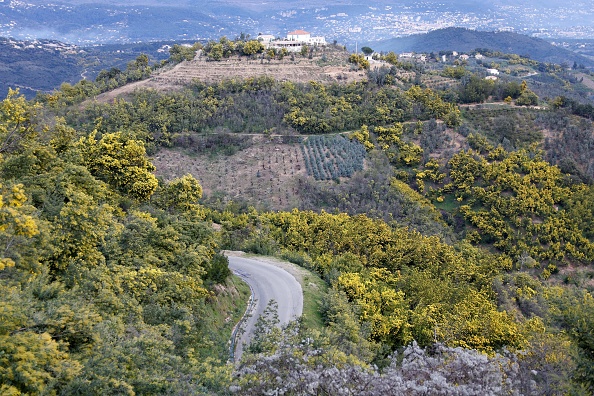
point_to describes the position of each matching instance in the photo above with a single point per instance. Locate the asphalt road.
(268, 283)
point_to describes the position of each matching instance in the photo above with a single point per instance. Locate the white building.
(294, 41)
(305, 37)
(299, 35)
(265, 38)
(494, 72)
(289, 45)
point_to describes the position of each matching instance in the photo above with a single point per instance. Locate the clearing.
(264, 172)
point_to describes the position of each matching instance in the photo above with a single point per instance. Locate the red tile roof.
(297, 32)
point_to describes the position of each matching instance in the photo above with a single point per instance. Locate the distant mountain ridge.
(467, 40)
(40, 65)
(43, 65)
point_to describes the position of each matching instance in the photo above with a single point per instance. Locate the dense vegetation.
(456, 243)
(252, 106)
(390, 286)
(103, 290)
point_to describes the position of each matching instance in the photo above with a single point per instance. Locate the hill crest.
(328, 64)
(467, 40)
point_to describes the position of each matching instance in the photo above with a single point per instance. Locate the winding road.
(267, 282)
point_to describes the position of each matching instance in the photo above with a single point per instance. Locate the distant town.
(382, 23)
(344, 23)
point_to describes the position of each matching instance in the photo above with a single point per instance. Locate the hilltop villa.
(298, 35)
(305, 37)
(293, 42)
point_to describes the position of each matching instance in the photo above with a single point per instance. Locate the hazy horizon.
(109, 21)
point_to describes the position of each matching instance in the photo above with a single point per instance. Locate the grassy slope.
(226, 309)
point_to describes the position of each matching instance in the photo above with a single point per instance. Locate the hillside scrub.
(456, 256)
(382, 269)
(107, 275)
(403, 288)
(261, 104)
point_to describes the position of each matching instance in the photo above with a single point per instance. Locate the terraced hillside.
(326, 65)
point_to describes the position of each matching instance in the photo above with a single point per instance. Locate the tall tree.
(121, 162)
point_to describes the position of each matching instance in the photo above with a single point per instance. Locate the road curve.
(267, 282)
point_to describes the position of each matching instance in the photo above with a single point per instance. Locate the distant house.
(464, 57)
(493, 72)
(265, 38)
(406, 55)
(164, 48)
(299, 35)
(373, 57)
(492, 78)
(289, 45)
(305, 37)
(479, 56)
(294, 41)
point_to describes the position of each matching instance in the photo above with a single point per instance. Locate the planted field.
(332, 157)
(439, 82)
(261, 172)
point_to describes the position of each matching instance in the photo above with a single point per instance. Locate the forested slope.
(110, 281)
(449, 215)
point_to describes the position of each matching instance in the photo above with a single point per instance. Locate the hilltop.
(326, 64)
(467, 40)
(43, 65)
